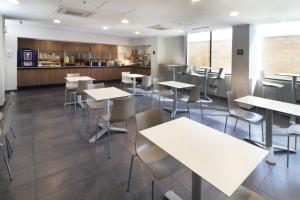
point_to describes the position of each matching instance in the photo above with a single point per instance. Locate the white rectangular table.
(222, 160)
(293, 88)
(79, 78)
(134, 77)
(175, 85)
(270, 106)
(106, 94)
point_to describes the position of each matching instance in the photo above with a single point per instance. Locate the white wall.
(2, 72)
(15, 30)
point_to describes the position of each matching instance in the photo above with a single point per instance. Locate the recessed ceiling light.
(56, 21)
(16, 2)
(104, 27)
(234, 13)
(180, 31)
(124, 21)
(196, 0)
(137, 33)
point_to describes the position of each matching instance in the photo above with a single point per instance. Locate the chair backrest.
(221, 73)
(123, 109)
(146, 81)
(83, 85)
(73, 75)
(125, 78)
(96, 86)
(146, 120)
(195, 94)
(262, 75)
(7, 118)
(232, 105)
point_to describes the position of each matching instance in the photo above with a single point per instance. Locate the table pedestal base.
(170, 195)
(104, 131)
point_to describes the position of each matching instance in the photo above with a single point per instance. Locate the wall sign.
(153, 52)
(240, 52)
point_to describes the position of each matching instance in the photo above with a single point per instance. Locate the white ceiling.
(174, 14)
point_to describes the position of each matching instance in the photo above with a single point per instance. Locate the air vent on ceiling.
(159, 27)
(200, 28)
(73, 11)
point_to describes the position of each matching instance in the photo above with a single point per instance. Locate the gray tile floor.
(52, 159)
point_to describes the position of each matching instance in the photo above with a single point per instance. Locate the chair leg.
(226, 124)
(249, 131)
(262, 131)
(259, 94)
(130, 171)
(66, 93)
(126, 124)
(12, 132)
(152, 191)
(108, 142)
(201, 110)
(288, 151)
(188, 109)
(237, 119)
(6, 162)
(8, 147)
(296, 138)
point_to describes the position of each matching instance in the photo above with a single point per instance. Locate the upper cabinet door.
(96, 51)
(52, 46)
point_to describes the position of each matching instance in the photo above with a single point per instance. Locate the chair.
(243, 193)
(82, 85)
(123, 109)
(193, 97)
(126, 80)
(293, 130)
(146, 85)
(240, 114)
(158, 161)
(269, 85)
(161, 90)
(70, 85)
(9, 102)
(216, 79)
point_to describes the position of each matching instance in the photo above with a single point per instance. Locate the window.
(222, 49)
(199, 49)
(280, 48)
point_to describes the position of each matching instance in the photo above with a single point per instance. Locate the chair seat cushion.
(269, 84)
(243, 193)
(70, 86)
(246, 115)
(158, 161)
(294, 129)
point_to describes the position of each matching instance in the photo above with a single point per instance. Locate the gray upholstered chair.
(77, 96)
(123, 109)
(240, 114)
(217, 79)
(243, 193)
(193, 97)
(158, 161)
(293, 131)
(126, 80)
(70, 86)
(269, 85)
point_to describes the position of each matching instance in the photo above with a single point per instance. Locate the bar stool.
(70, 85)
(269, 85)
(217, 79)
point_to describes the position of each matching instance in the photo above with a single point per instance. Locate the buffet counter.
(40, 76)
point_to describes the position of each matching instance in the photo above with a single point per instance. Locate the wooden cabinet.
(96, 51)
(25, 43)
(52, 46)
(39, 45)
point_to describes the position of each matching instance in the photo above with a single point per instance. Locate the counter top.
(72, 67)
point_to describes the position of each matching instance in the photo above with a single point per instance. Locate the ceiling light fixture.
(125, 21)
(104, 27)
(137, 32)
(196, 0)
(234, 13)
(56, 21)
(16, 2)
(180, 31)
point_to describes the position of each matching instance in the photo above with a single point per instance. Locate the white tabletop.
(79, 78)
(134, 75)
(176, 84)
(106, 93)
(288, 74)
(220, 159)
(280, 106)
